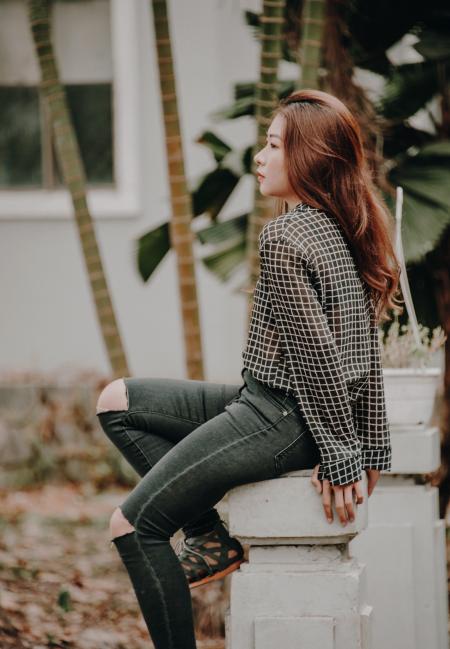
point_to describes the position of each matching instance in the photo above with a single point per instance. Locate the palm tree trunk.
(266, 99)
(311, 43)
(181, 234)
(73, 174)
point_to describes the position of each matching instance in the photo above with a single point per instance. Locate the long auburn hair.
(327, 169)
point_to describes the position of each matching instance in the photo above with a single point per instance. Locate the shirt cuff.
(342, 472)
(377, 458)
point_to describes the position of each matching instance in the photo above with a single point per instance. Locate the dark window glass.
(22, 140)
(90, 106)
(20, 137)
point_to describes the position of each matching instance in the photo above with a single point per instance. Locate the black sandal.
(210, 556)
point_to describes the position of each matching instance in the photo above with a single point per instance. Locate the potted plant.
(412, 359)
(412, 372)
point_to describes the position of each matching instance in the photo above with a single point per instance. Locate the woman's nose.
(257, 160)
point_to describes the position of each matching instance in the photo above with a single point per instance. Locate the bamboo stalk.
(266, 99)
(180, 231)
(73, 174)
(311, 43)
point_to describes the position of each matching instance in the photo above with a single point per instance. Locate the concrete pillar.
(404, 547)
(300, 587)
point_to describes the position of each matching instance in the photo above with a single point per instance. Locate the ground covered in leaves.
(63, 586)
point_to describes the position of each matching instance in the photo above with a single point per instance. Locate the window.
(20, 146)
(27, 153)
(96, 48)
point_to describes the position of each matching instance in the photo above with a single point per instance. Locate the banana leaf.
(425, 178)
(151, 249)
(225, 263)
(409, 88)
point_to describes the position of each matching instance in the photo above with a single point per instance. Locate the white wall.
(48, 318)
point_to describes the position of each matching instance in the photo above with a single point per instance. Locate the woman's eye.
(272, 146)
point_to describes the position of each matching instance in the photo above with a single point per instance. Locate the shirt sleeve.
(314, 361)
(370, 413)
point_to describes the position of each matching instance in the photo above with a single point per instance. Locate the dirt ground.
(63, 586)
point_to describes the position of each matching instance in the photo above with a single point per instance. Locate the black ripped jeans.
(192, 441)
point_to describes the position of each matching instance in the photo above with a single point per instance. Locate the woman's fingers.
(317, 484)
(326, 500)
(372, 479)
(359, 493)
(340, 506)
(348, 502)
(343, 497)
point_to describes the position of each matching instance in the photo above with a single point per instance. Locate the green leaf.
(434, 45)
(244, 103)
(376, 26)
(218, 147)
(410, 87)
(435, 151)
(229, 238)
(401, 136)
(226, 262)
(213, 191)
(64, 600)
(429, 184)
(151, 249)
(425, 179)
(423, 290)
(241, 107)
(422, 225)
(224, 230)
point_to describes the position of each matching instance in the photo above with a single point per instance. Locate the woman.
(312, 394)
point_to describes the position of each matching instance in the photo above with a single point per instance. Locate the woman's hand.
(372, 479)
(343, 495)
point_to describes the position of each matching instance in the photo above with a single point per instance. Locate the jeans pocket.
(281, 401)
(301, 453)
(237, 396)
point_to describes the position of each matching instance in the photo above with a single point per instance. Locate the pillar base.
(300, 587)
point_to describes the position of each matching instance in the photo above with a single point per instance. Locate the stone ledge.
(288, 510)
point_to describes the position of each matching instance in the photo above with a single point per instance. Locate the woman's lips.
(260, 177)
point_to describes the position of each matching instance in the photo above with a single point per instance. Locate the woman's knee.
(118, 524)
(113, 397)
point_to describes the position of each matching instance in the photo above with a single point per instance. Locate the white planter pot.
(410, 394)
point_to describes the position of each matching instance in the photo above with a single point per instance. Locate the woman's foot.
(210, 556)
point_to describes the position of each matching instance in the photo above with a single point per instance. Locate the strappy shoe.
(209, 556)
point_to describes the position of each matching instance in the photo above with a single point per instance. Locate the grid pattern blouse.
(312, 334)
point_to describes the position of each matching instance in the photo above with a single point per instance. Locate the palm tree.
(266, 96)
(358, 35)
(311, 43)
(180, 233)
(72, 169)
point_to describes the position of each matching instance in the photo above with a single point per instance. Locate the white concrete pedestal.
(404, 548)
(300, 588)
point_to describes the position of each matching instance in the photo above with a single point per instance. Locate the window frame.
(123, 199)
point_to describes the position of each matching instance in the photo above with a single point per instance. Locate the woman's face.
(271, 165)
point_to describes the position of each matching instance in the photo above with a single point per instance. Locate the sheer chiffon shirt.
(312, 333)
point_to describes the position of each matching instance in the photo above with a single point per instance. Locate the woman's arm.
(370, 413)
(314, 361)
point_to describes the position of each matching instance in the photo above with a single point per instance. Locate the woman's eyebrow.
(272, 135)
